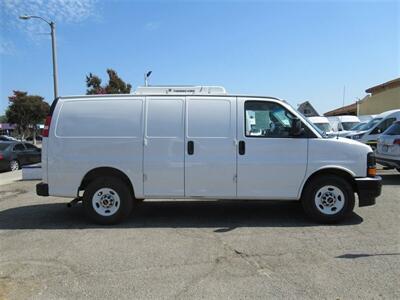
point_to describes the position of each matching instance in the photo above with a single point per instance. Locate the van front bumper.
(42, 189)
(368, 189)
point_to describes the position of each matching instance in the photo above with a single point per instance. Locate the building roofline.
(380, 87)
(341, 110)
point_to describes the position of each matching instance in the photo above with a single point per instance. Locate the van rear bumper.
(368, 189)
(42, 189)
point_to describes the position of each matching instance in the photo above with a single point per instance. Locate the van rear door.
(210, 154)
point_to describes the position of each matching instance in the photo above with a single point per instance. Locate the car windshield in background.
(349, 125)
(394, 129)
(4, 146)
(357, 126)
(370, 124)
(325, 127)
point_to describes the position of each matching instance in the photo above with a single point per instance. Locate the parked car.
(388, 149)
(370, 133)
(198, 142)
(14, 154)
(7, 138)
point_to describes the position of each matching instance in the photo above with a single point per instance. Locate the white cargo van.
(370, 132)
(198, 142)
(343, 124)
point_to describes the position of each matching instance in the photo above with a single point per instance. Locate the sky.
(293, 50)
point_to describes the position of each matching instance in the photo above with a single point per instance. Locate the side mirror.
(377, 130)
(296, 128)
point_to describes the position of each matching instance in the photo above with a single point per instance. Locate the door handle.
(190, 147)
(242, 147)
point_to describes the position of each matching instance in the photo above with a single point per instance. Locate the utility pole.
(53, 49)
(344, 94)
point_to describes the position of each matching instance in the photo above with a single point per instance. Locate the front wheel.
(328, 199)
(107, 200)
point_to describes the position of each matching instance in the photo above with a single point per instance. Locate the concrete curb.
(10, 177)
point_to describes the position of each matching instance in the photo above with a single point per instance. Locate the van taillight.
(46, 128)
(396, 142)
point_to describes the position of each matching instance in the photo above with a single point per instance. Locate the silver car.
(388, 149)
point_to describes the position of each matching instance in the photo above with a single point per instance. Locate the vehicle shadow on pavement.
(222, 215)
(392, 179)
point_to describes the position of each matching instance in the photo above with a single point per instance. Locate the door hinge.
(235, 178)
(144, 177)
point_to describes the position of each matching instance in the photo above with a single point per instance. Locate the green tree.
(115, 84)
(26, 111)
(3, 119)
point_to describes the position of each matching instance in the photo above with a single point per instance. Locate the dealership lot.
(197, 249)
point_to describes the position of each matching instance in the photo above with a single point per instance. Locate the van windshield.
(357, 126)
(370, 124)
(349, 125)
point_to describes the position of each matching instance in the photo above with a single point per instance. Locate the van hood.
(353, 143)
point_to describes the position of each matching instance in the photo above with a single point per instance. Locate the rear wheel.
(107, 200)
(14, 165)
(328, 199)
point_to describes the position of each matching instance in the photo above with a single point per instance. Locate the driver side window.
(267, 119)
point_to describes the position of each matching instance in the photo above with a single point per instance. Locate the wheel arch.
(102, 172)
(341, 172)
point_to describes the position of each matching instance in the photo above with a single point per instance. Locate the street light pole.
(54, 55)
(53, 49)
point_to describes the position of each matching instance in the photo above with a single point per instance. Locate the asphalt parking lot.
(197, 249)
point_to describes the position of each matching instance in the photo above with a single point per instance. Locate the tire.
(14, 165)
(328, 199)
(107, 200)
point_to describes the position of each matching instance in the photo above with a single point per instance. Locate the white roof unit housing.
(180, 90)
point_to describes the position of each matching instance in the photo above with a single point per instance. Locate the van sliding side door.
(210, 149)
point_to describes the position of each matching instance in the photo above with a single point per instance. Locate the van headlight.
(358, 136)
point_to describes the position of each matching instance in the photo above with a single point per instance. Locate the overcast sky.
(295, 50)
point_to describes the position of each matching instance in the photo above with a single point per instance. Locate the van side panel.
(92, 133)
